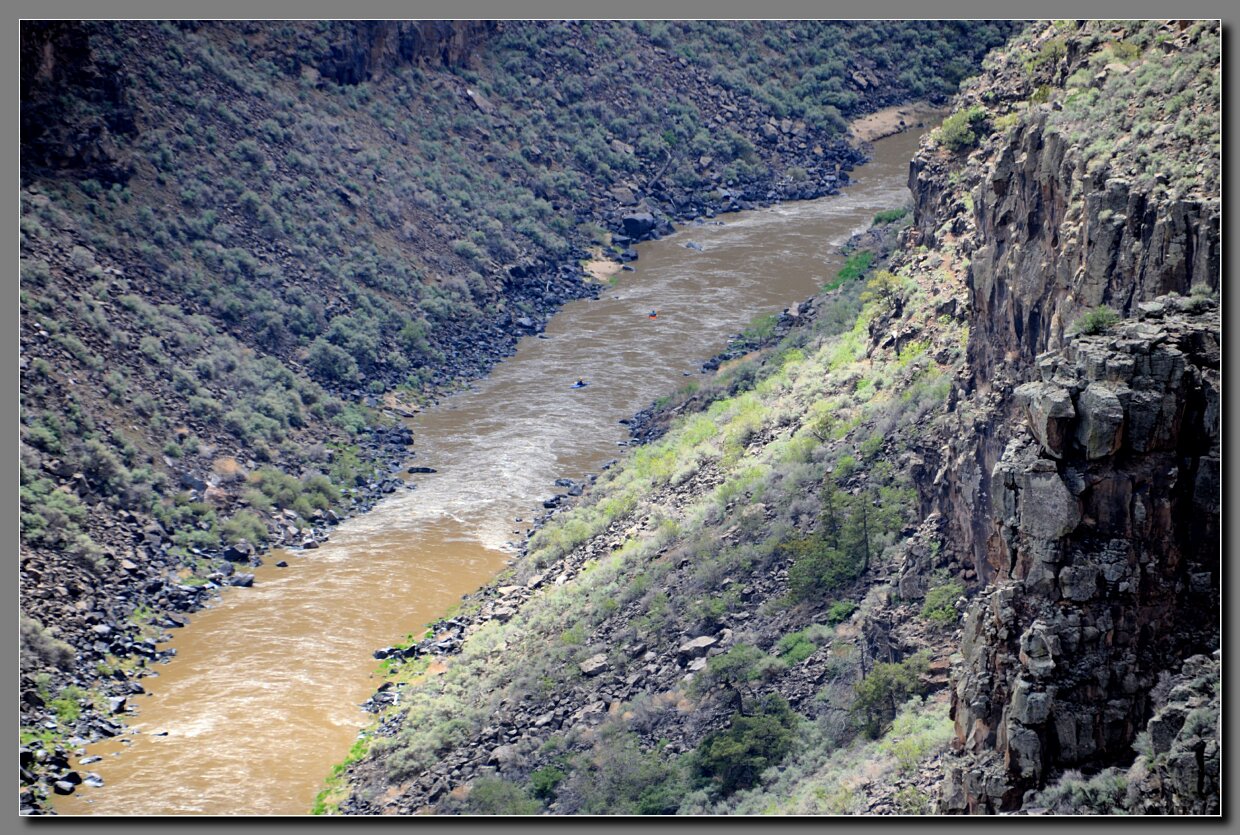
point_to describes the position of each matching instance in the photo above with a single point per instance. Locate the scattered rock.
(594, 665)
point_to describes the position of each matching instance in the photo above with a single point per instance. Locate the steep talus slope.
(747, 590)
(244, 242)
(1053, 316)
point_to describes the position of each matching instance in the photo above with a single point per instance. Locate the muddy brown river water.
(262, 697)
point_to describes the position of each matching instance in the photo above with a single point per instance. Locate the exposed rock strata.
(1083, 483)
(1106, 565)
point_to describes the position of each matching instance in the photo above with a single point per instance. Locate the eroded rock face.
(1182, 776)
(1107, 556)
(56, 55)
(1048, 238)
(365, 50)
(1083, 476)
(1055, 240)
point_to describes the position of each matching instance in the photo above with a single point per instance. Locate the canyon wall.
(1084, 481)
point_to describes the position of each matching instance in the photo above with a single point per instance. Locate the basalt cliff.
(1084, 483)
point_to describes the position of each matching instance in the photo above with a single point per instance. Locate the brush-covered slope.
(718, 603)
(242, 241)
(1000, 461)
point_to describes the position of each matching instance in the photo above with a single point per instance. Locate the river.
(262, 697)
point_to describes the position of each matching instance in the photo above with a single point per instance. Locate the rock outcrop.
(1084, 481)
(364, 50)
(59, 55)
(1177, 770)
(1106, 563)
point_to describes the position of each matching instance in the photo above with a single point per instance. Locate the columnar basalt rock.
(1108, 565)
(1083, 480)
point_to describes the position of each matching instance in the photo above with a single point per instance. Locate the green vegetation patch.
(888, 216)
(940, 603)
(1097, 321)
(961, 130)
(855, 266)
(735, 758)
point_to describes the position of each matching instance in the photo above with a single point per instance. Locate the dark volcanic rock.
(638, 225)
(240, 552)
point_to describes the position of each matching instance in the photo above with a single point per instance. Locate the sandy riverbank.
(892, 120)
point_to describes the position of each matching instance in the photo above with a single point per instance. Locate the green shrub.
(543, 781)
(912, 800)
(331, 363)
(959, 131)
(795, 648)
(1123, 51)
(1105, 793)
(1041, 95)
(1049, 54)
(1099, 320)
(48, 515)
(618, 777)
(68, 705)
(497, 796)
(840, 611)
(839, 553)
(734, 758)
(244, 524)
(888, 290)
(44, 435)
(889, 216)
(886, 687)
(736, 669)
(40, 648)
(760, 329)
(940, 604)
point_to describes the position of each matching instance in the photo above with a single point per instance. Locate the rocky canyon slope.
(249, 247)
(991, 486)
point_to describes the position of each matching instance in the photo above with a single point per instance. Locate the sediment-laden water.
(262, 697)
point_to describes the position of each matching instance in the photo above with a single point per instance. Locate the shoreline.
(599, 269)
(895, 119)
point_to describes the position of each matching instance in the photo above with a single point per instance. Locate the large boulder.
(695, 648)
(1101, 417)
(638, 224)
(1050, 412)
(594, 665)
(241, 552)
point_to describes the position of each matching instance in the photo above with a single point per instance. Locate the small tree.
(817, 567)
(735, 758)
(889, 290)
(887, 686)
(735, 670)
